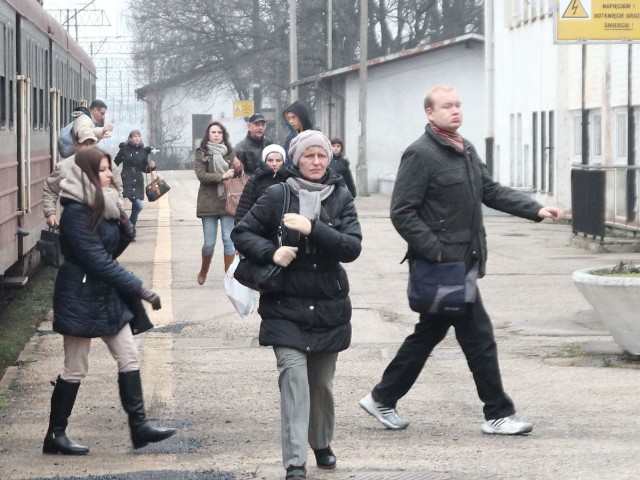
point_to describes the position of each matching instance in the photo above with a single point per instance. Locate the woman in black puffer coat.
(92, 296)
(309, 321)
(268, 173)
(134, 157)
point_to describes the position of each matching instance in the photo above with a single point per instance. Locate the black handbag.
(156, 188)
(140, 322)
(264, 278)
(49, 247)
(437, 288)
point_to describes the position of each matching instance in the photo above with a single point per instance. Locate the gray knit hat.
(306, 139)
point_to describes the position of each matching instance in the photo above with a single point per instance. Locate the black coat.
(262, 179)
(90, 289)
(135, 160)
(436, 205)
(340, 165)
(249, 151)
(313, 313)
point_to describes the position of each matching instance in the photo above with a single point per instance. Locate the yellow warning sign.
(575, 10)
(242, 108)
(584, 21)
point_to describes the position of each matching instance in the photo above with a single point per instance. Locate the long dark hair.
(88, 159)
(225, 136)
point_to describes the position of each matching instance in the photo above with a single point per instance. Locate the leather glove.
(127, 227)
(151, 297)
(285, 255)
(148, 149)
(298, 223)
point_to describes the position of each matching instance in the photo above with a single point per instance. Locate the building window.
(577, 134)
(596, 138)
(621, 135)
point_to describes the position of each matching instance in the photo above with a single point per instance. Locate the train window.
(3, 76)
(44, 92)
(3, 102)
(34, 107)
(11, 71)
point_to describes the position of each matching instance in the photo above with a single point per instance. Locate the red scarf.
(454, 138)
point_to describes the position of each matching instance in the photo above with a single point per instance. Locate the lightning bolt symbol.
(574, 6)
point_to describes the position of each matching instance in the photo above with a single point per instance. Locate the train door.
(23, 124)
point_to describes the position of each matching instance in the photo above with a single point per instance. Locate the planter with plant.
(614, 293)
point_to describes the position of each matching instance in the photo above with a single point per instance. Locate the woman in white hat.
(268, 173)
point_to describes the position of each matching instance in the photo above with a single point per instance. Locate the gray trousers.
(306, 402)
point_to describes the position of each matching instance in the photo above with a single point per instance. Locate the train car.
(44, 75)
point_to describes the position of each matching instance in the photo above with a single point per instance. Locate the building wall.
(395, 95)
(178, 106)
(536, 76)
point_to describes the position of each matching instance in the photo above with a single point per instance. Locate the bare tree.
(239, 42)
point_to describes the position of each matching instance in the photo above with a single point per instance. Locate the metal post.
(329, 35)
(293, 49)
(362, 174)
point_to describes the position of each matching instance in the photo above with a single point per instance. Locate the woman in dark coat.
(134, 157)
(309, 321)
(340, 164)
(268, 173)
(92, 296)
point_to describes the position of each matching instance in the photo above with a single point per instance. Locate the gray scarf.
(76, 186)
(311, 195)
(219, 164)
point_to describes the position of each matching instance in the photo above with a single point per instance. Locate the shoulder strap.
(285, 208)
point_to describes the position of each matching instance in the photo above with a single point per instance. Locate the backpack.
(67, 140)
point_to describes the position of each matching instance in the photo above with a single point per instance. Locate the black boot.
(131, 396)
(62, 400)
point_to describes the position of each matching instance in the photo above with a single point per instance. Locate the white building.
(180, 116)
(396, 87)
(540, 90)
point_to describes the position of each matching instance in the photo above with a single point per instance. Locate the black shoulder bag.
(265, 278)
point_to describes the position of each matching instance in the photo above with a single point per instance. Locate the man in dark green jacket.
(437, 208)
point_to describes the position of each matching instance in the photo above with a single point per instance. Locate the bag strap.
(285, 208)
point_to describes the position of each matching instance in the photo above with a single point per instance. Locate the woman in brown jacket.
(215, 162)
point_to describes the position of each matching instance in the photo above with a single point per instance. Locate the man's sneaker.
(385, 415)
(510, 425)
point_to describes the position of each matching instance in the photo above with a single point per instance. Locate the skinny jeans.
(210, 231)
(474, 333)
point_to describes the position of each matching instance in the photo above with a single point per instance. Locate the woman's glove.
(127, 227)
(285, 255)
(147, 149)
(151, 297)
(298, 223)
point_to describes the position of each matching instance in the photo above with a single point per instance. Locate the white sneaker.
(510, 425)
(385, 415)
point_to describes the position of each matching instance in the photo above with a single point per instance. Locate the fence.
(604, 197)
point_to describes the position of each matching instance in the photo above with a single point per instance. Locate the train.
(44, 76)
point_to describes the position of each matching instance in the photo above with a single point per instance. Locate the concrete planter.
(616, 300)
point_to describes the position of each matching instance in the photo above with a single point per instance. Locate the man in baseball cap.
(249, 149)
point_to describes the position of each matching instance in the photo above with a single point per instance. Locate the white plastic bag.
(243, 298)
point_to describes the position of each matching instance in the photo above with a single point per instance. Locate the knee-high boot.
(204, 269)
(62, 401)
(228, 260)
(131, 396)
